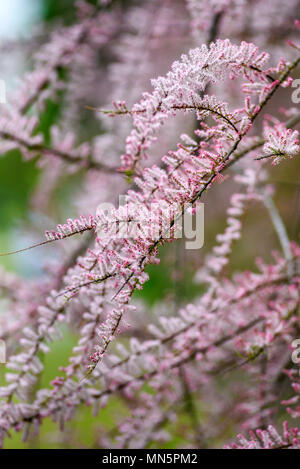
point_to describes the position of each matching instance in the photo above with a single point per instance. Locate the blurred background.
(24, 25)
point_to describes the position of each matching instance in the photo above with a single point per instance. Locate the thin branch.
(88, 163)
(281, 231)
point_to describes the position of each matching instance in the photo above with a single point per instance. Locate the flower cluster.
(280, 142)
(270, 439)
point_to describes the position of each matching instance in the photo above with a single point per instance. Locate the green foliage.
(47, 119)
(17, 181)
(65, 10)
(162, 284)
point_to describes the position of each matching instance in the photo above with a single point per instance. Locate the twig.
(281, 232)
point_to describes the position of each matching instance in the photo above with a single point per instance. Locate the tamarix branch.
(209, 356)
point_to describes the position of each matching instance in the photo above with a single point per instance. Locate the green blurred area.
(82, 432)
(17, 182)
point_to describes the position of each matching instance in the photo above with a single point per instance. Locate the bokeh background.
(22, 223)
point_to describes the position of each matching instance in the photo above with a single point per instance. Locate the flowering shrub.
(215, 116)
